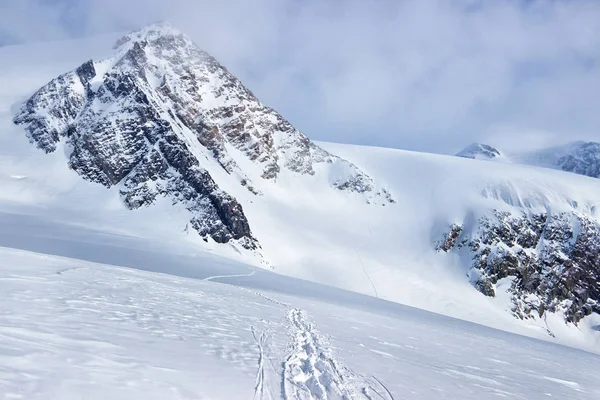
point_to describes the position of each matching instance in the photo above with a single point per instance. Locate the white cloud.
(424, 74)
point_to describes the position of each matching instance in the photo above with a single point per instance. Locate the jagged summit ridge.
(151, 31)
(155, 117)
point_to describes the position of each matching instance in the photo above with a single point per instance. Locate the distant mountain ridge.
(580, 157)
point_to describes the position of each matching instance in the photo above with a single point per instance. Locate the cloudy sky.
(430, 75)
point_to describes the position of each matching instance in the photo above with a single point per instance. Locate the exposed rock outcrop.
(553, 261)
(584, 159)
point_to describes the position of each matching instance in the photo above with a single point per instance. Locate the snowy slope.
(72, 329)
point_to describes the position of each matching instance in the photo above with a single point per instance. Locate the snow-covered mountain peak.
(206, 98)
(162, 117)
(153, 32)
(480, 151)
(164, 44)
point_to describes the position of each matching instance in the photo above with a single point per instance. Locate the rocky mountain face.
(551, 260)
(153, 118)
(479, 151)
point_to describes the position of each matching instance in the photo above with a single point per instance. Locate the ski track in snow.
(210, 278)
(310, 370)
(259, 389)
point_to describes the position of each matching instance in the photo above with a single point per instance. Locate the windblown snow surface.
(103, 302)
(73, 329)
